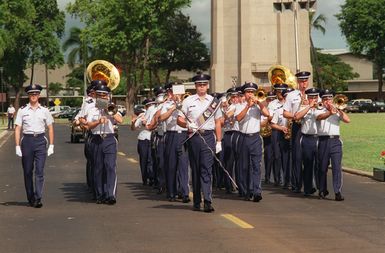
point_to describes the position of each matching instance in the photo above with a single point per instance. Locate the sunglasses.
(33, 94)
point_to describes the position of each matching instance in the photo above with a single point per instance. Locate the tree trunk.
(46, 84)
(168, 76)
(156, 75)
(380, 72)
(32, 72)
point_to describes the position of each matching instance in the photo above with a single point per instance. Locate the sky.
(200, 13)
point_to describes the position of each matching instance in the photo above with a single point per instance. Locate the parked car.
(375, 106)
(56, 110)
(77, 133)
(67, 114)
(356, 105)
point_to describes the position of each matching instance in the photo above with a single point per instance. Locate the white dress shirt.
(33, 121)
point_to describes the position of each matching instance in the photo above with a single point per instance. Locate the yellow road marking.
(237, 221)
(132, 160)
(121, 153)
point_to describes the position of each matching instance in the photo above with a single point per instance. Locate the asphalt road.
(143, 221)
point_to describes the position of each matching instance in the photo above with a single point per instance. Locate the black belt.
(176, 132)
(329, 137)
(101, 135)
(251, 135)
(310, 135)
(230, 132)
(34, 135)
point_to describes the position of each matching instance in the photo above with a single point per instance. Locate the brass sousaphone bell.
(103, 70)
(106, 71)
(279, 74)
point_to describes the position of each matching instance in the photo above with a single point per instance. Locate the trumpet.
(340, 101)
(319, 106)
(259, 95)
(111, 109)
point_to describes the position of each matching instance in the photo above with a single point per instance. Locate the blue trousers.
(158, 164)
(176, 164)
(105, 179)
(201, 162)
(296, 156)
(309, 146)
(88, 153)
(229, 157)
(277, 163)
(250, 164)
(284, 149)
(268, 157)
(145, 160)
(330, 150)
(34, 151)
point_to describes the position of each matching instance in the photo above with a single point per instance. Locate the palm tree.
(316, 23)
(80, 50)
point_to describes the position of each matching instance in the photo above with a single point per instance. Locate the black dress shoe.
(257, 198)
(111, 201)
(99, 201)
(186, 199)
(248, 197)
(339, 197)
(171, 199)
(38, 204)
(160, 190)
(321, 195)
(208, 207)
(196, 207)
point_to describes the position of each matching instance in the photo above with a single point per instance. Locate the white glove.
(18, 151)
(50, 150)
(218, 147)
(192, 126)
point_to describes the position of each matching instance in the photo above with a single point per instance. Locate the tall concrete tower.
(249, 36)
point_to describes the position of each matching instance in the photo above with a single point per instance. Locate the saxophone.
(289, 125)
(266, 131)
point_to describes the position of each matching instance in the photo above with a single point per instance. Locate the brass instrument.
(319, 106)
(103, 70)
(279, 74)
(340, 101)
(289, 125)
(111, 109)
(259, 95)
(266, 130)
(186, 95)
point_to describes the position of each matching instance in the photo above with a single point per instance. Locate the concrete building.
(364, 86)
(249, 36)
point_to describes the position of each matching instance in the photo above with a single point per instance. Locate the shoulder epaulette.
(89, 101)
(23, 107)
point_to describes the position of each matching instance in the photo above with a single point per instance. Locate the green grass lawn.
(364, 139)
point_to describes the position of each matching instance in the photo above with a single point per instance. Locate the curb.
(358, 172)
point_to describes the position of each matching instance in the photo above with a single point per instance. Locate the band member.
(201, 116)
(330, 144)
(249, 117)
(104, 145)
(291, 106)
(309, 140)
(79, 119)
(144, 142)
(231, 128)
(32, 147)
(10, 115)
(158, 129)
(266, 133)
(176, 164)
(280, 126)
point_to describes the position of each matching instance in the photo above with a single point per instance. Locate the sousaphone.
(279, 74)
(103, 70)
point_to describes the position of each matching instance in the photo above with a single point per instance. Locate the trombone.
(340, 101)
(259, 95)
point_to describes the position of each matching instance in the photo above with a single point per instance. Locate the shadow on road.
(77, 192)
(145, 192)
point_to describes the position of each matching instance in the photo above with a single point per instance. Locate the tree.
(55, 88)
(179, 47)
(121, 32)
(16, 25)
(363, 24)
(334, 72)
(80, 50)
(316, 23)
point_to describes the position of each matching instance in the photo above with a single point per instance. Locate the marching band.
(290, 133)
